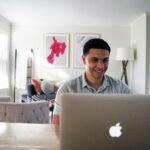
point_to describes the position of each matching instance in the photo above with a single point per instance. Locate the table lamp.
(124, 55)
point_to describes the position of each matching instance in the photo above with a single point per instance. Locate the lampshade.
(124, 54)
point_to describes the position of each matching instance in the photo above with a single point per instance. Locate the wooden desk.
(22, 136)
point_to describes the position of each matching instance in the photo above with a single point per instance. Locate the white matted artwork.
(57, 53)
(79, 41)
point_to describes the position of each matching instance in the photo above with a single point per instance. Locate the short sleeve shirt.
(80, 85)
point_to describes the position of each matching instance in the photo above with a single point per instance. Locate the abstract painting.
(57, 50)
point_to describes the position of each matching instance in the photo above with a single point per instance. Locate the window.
(4, 61)
(21, 69)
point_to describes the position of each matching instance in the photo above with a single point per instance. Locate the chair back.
(32, 112)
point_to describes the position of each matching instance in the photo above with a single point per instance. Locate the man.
(95, 56)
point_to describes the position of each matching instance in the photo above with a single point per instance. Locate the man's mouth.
(99, 71)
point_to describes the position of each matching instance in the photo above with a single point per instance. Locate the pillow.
(37, 86)
(48, 86)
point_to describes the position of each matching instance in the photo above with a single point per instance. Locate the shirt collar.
(84, 82)
(104, 85)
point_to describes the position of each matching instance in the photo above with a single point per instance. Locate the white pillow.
(48, 86)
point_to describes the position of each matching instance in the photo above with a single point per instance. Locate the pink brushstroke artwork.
(57, 48)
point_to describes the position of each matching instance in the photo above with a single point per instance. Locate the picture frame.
(79, 40)
(56, 50)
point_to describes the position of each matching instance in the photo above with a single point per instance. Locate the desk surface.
(22, 136)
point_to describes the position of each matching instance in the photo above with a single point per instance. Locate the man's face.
(96, 63)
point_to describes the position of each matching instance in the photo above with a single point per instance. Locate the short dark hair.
(95, 43)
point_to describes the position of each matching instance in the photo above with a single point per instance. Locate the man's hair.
(95, 43)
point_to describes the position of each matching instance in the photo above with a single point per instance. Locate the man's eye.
(94, 60)
(105, 60)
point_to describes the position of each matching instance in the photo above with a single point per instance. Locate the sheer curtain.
(4, 62)
(21, 69)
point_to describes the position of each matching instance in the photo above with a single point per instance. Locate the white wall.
(5, 28)
(4, 25)
(138, 43)
(148, 56)
(27, 37)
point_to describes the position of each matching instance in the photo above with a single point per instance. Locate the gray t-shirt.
(80, 85)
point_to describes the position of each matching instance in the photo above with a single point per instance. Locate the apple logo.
(115, 131)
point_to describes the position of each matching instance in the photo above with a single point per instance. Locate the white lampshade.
(124, 54)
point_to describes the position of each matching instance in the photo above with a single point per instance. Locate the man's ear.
(83, 59)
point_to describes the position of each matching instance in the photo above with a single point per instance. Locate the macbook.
(105, 122)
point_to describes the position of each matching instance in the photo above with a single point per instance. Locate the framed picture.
(79, 41)
(57, 50)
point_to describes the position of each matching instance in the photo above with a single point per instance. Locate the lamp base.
(124, 74)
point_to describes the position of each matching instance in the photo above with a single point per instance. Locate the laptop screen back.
(105, 122)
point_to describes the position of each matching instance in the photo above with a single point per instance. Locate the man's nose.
(100, 64)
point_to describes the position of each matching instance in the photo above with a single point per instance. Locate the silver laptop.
(105, 122)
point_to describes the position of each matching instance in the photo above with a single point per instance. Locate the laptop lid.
(105, 122)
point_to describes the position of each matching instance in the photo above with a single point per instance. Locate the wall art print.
(79, 41)
(57, 50)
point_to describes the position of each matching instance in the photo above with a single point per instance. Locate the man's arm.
(57, 107)
(56, 119)
(56, 113)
